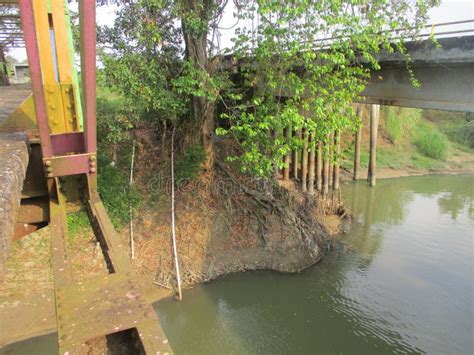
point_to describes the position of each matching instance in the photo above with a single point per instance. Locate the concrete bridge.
(445, 72)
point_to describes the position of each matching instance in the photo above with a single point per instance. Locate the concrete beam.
(443, 87)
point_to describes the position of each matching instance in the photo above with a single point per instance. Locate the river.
(400, 281)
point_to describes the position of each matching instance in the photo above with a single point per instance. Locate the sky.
(448, 11)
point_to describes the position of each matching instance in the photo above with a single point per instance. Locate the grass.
(399, 123)
(430, 142)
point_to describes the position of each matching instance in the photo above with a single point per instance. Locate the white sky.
(448, 11)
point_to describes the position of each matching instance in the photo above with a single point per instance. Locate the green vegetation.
(460, 129)
(190, 165)
(399, 123)
(431, 142)
(77, 223)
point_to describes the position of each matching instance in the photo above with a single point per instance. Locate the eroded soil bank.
(224, 225)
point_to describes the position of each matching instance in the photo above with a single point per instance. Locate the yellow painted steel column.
(56, 117)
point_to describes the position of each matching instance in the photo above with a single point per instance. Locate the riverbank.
(218, 234)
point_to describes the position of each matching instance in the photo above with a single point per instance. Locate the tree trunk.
(326, 164)
(312, 158)
(304, 162)
(196, 53)
(286, 168)
(319, 165)
(337, 153)
(296, 157)
(374, 122)
(331, 156)
(5, 80)
(357, 146)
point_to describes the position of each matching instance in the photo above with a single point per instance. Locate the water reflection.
(400, 282)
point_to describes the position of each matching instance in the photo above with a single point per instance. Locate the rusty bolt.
(69, 106)
(49, 169)
(48, 162)
(50, 175)
(67, 90)
(92, 163)
(92, 170)
(92, 158)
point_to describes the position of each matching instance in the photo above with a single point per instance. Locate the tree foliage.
(303, 64)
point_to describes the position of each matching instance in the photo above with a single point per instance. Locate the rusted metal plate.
(34, 210)
(23, 229)
(70, 165)
(67, 143)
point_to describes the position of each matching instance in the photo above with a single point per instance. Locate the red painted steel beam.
(88, 61)
(28, 24)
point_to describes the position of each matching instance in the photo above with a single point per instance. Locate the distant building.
(21, 74)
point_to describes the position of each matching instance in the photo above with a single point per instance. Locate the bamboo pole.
(304, 162)
(319, 165)
(374, 122)
(312, 158)
(286, 168)
(337, 153)
(296, 157)
(173, 230)
(357, 139)
(132, 241)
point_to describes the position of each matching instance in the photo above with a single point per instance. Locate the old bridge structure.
(48, 158)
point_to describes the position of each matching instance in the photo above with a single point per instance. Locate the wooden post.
(331, 156)
(312, 158)
(337, 153)
(326, 164)
(304, 162)
(357, 145)
(319, 165)
(295, 157)
(286, 168)
(374, 122)
(275, 168)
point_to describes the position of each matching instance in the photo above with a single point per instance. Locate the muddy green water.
(400, 281)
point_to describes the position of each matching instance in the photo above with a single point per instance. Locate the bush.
(115, 191)
(461, 130)
(431, 143)
(189, 166)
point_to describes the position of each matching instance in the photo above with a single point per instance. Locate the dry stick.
(331, 156)
(132, 242)
(319, 165)
(337, 152)
(357, 139)
(326, 164)
(295, 156)
(173, 232)
(312, 156)
(286, 168)
(374, 122)
(304, 162)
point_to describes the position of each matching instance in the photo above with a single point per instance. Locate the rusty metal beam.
(28, 23)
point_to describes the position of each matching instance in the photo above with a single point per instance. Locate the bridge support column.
(374, 123)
